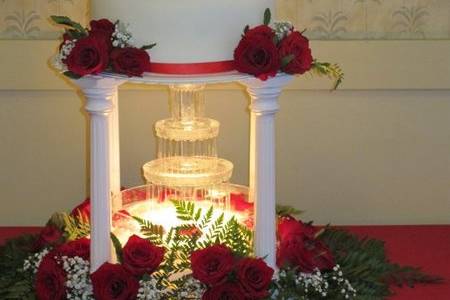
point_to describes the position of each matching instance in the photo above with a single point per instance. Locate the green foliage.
(75, 227)
(117, 246)
(16, 284)
(154, 233)
(72, 75)
(66, 21)
(267, 16)
(148, 47)
(286, 60)
(199, 230)
(365, 264)
(286, 210)
(215, 231)
(332, 71)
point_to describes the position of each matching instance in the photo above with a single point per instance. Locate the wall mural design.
(369, 19)
(29, 19)
(323, 19)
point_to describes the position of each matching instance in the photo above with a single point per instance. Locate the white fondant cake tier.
(186, 31)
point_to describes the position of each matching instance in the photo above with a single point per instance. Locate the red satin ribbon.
(194, 68)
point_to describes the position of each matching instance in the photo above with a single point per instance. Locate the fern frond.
(332, 71)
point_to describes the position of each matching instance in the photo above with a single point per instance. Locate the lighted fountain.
(187, 168)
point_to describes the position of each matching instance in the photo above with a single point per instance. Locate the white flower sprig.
(64, 52)
(33, 262)
(149, 289)
(282, 29)
(121, 36)
(79, 285)
(191, 289)
(318, 284)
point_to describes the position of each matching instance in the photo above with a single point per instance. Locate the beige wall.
(375, 152)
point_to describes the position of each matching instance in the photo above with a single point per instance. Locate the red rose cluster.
(121, 281)
(110, 281)
(299, 248)
(262, 54)
(229, 277)
(50, 281)
(93, 53)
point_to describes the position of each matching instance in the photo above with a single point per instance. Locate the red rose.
(102, 29)
(211, 265)
(130, 61)
(50, 282)
(263, 31)
(89, 56)
(297, 45)
(114, 282)
(257, 55)
(289, 226)
(305, 254)
(80, 248)
(228, 291)
(239, 202)
(83, 211)
(254, 275)
(49, 236)
(141, 256)
(104, 25)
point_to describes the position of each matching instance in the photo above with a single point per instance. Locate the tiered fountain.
(187, 166)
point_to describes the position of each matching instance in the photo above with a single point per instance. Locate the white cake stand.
(101, 93)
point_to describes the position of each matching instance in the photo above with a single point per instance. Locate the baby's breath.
(282, 29)
(79, 285)
(33, 261)
(121, 37)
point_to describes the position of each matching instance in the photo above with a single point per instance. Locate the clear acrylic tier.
(187, 159)
(191, 171)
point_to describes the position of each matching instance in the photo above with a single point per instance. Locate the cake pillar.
(101, 94)
(114, 153)
(264, 105)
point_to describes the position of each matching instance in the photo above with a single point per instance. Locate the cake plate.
(101, 92)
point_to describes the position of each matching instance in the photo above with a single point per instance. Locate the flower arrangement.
(106, 46)
(205, 258)
(266, 50)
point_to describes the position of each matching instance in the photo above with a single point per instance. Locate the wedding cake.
(192, 36)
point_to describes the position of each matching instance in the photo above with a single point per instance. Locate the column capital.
(264, 94)
(99, 92)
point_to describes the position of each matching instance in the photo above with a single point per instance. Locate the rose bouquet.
(105, 46)
(207, 257)
(266, 50)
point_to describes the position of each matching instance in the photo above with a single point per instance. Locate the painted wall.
(351, 157)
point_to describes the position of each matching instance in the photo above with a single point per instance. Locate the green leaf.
(286, 210)
(267, 16)
(72, 75)
(75, 227)
(74, 34)
(66, 21)
(148, 47)
(286, 60)
(117, 246)
(153, 232)
(332, 71)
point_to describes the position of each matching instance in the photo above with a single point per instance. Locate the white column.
(100, 94)
(264, 105)
(115, 154)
